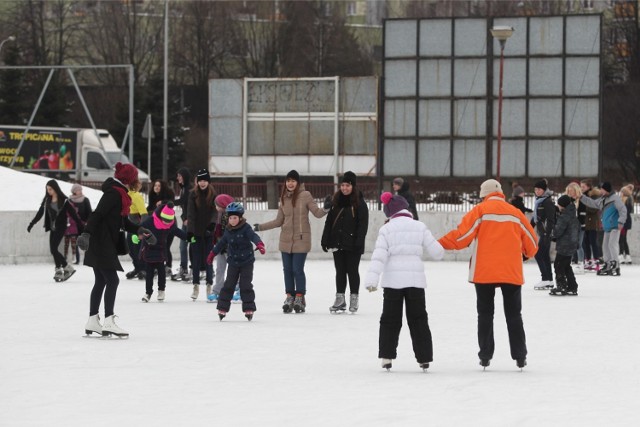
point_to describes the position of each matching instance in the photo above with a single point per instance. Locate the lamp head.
(502, 32)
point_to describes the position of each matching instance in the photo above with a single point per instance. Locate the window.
(96, 161)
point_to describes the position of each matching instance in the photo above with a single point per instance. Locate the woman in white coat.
(397, 257)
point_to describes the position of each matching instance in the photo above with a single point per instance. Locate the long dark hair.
(294, 196)
(209, 191)
(56, 187)
(354, 198)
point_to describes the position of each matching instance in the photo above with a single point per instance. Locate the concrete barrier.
(20, 247)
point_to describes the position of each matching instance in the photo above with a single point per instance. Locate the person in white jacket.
(397, 257)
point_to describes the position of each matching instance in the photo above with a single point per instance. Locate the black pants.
(417, 319)
(200, 251)
(624, 245)
(592, 247)
(512, 301)
(564, 272)
(243, 276)
(543, 258)
(104, 279)
(162, 276)
(169, 255)
(347, 264)
(55, 237)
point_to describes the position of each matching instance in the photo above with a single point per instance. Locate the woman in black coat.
(100, 240)
(345, 230)
(55, 207)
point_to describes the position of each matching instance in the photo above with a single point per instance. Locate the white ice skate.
(146, 298)
(386, 363)
(339, 305)
(196, 292)
(160, 296)
(93, 325)
(110, 328)
(543, 285)
(354, 303)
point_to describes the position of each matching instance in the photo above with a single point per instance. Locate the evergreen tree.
(13, 105)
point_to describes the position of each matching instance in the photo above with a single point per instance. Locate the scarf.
(126, 200)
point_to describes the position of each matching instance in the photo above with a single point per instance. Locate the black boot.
(614, 268)
(561, 286)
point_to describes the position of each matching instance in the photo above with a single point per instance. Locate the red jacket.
(500, 235)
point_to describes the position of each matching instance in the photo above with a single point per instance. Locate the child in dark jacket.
(237, 239)
(162, 224)
(565, 233)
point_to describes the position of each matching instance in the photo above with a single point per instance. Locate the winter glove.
(210, 257)
(256, 227)
(372, 288)
(192, 240)
(29, 227)
(261, 248)
(327, 203)
(83, 241)
(135, 239)
(147, 235)
(324, 248)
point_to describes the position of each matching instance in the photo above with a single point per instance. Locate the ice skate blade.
(337, 311)
(108, 334)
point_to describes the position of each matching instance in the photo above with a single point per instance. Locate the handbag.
(122, 248)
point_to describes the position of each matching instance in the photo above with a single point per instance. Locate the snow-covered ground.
(183, 367)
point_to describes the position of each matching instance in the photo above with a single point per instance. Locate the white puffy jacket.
(398, 254)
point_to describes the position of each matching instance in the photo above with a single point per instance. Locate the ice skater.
(397, 258)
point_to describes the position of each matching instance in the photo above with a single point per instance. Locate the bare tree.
(124, 33)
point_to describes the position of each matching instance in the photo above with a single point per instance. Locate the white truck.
(65, 153)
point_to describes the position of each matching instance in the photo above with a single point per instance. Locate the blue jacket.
(614, 212)
(238, 242)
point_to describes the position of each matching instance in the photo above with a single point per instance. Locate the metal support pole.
(499, 148)
(33, 115)
(165, 142)
(131, 85)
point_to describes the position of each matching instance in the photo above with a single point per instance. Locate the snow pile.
(25, 191)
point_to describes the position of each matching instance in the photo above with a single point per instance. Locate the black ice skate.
(222, 314)
(521, 363)
(424, 366)
(615, 268)
(561, 287)
(484, 363)
(248, 314)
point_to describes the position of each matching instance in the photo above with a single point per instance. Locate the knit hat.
(518, 191)
(126, 173)
(398, 181)
(76, 188)
(542, 184)
(167, 214)
(564, 201)
(294, 175)
(349, 177)
(392, 204)
(488, 187)
(203, 175)
(606, 186)
(223, 200)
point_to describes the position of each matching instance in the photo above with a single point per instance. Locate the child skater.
(162, 224)
(221, 201)
(565, 233)
(237, 239)
(397, 256)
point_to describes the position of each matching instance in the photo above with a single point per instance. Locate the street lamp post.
(8, 39)
(502, 33)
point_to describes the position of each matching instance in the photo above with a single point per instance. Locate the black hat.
(203, 175)
(294, 175)
(542, 184)
(349, 177)
(606, 186)
(564, 201)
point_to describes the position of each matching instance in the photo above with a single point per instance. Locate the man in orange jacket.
(501, 236)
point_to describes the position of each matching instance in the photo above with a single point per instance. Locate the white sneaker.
(196, 292)
(93, 325)
(110, 328)
(146, 298)
(160, 295)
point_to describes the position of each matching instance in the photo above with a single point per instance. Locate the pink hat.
(223, 200)
(126, 173)
(164, 218)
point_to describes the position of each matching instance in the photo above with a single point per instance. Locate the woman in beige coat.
(295, 237)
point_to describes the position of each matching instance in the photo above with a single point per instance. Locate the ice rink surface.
(181, 366)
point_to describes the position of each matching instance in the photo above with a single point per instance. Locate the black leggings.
(347, 264)
(55, 237)
(105, 278)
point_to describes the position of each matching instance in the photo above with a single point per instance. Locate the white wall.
(20, 247)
